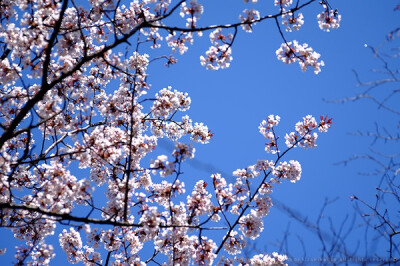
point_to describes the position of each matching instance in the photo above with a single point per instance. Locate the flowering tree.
(76, 118)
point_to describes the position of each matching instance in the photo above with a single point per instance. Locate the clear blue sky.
(232, 102)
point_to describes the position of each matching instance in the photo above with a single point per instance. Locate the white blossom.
(306, 57)
(328, 19)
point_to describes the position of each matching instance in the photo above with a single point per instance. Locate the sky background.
(233, 101)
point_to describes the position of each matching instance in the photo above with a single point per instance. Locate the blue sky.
(232, 102)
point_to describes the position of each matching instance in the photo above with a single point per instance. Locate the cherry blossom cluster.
(328, 19)
(217, 57)
(292, 51)
(217, 38)
(304, 135)
(266, 129)
(303, 54)
(41, 253)
(248, 19)
(71, 243)
(219, 54)
(193, 10)
(283, 3)
(292, 22)
(235, 243)
(80, 120)
(179, 41)
(290, 171)
(275, 259)
(168, 102)
(251, 225)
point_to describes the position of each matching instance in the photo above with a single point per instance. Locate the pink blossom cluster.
(193, 10)
(292, 22)
(168, 102)
(304, 135)
(292, 51)
(328, 19)
(235, 243)
(217, 57)
(249, 19)
(251, 225)
(178, 41)
(219, 54)
(290, 171)
(266, 129)
(303, 54)
(71, 243)
(283, 3)
(41, 253)
(267, 260)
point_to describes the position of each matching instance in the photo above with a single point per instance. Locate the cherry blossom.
(290, 171)
(235, 243)
(183, 151)
(266, 129)
(282, 3)
(324, 124)
(179, 42)
(292, 22)
(249, 18)
(71, 243)
(266, 260)
(200, 133)
(193, 9)
(304, 137)
(328, 19)
(167, 102)
(217, 38)
(217, 57)
(264, 203)
(251, 226)
(303, 54)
